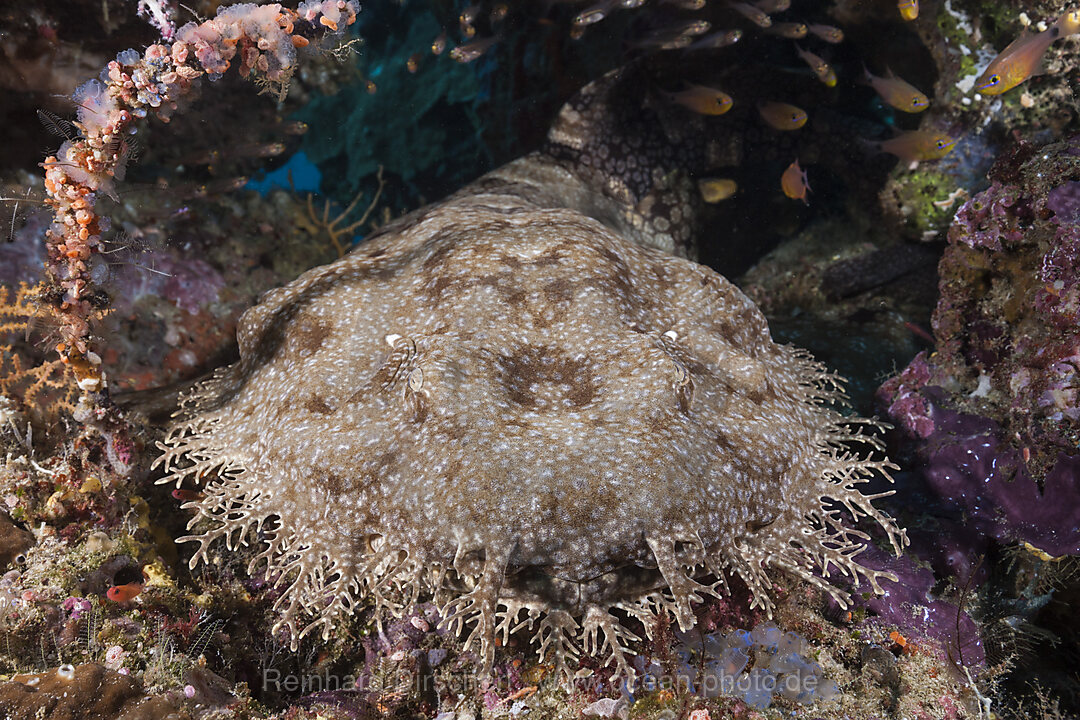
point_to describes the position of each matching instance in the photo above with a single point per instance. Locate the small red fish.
(124, 593)
(186, 495)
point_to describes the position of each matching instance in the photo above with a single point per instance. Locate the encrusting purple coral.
(993, 412)
(969, 465)
(502, 401)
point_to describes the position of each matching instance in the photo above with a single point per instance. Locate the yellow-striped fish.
(909, 9)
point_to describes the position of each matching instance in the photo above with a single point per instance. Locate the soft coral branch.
(264, 39)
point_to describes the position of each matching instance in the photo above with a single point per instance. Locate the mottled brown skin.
(504, 401)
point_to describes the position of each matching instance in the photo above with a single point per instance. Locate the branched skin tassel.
(501, 401)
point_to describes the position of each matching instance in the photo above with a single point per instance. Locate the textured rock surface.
(83, 692)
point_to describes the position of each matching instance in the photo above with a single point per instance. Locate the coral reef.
(95, 596)
(989, 418)
(994, 408)
(137, 85)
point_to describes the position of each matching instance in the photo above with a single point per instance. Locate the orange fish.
(704, 100)
(123, 593)
(1024, 56)
(183, 494)
(795, 183)
(909, 9)
(821, 68)
(789, 30)
(897, 92)
(828, 33)
(714, 190)
(918, 145)
(782, 116)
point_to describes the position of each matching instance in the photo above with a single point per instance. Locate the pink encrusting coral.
(134, 85)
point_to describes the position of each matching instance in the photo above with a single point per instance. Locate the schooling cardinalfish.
(822, 69)
(1024, 56)
(918, 145)
(897, 92)
(782, 116)
(703, 100)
